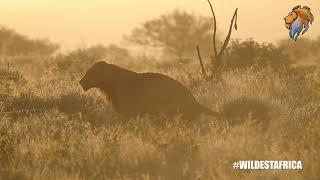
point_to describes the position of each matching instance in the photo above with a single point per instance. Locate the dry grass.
(268, 115)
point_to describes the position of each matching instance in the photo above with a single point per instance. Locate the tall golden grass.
(268, 114)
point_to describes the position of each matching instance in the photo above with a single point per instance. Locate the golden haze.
(75, 23)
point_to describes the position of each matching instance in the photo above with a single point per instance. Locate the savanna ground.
(51, 129)
(272, 115)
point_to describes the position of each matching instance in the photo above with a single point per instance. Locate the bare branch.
(224, 46)
(216, 60)
(214, 31)
(201, 63)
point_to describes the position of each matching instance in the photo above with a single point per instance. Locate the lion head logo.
(298, 20)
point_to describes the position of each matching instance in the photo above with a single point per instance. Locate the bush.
(8, 75)
(15, 44)
(249, 53)
(304, 51)
(9, 83)
(75, 63)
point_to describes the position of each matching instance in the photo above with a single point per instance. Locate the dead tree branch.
(216, 60)
(226, 41)
(214, 30)
(204, 74)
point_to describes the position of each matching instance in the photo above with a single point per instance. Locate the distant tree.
(77, 61)
(249, 52)
(176, 33)
(14, 44)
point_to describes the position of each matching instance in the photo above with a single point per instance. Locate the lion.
(131, 93)
(297, 20)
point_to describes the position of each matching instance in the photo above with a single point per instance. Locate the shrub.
(9, 75)
(249, 53)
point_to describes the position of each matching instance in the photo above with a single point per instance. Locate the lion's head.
(290, 19)
(98, 74)
(298, 11)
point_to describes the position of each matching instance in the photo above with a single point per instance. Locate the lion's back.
(154, 92)
(163, 84)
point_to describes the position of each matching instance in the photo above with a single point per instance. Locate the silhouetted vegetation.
(304, 51)
(177, 34)
(249, 53)
(14, 44)
(76, 62)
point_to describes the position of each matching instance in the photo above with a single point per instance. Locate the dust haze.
(75, 24)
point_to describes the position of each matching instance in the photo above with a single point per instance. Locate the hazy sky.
(76, 23)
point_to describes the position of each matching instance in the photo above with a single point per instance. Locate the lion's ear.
(306, 7)
(297, 7)
(100, 63)
(103, 62)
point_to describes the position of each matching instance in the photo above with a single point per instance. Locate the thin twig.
(214, 31)
(201, 63)
(226, 41)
